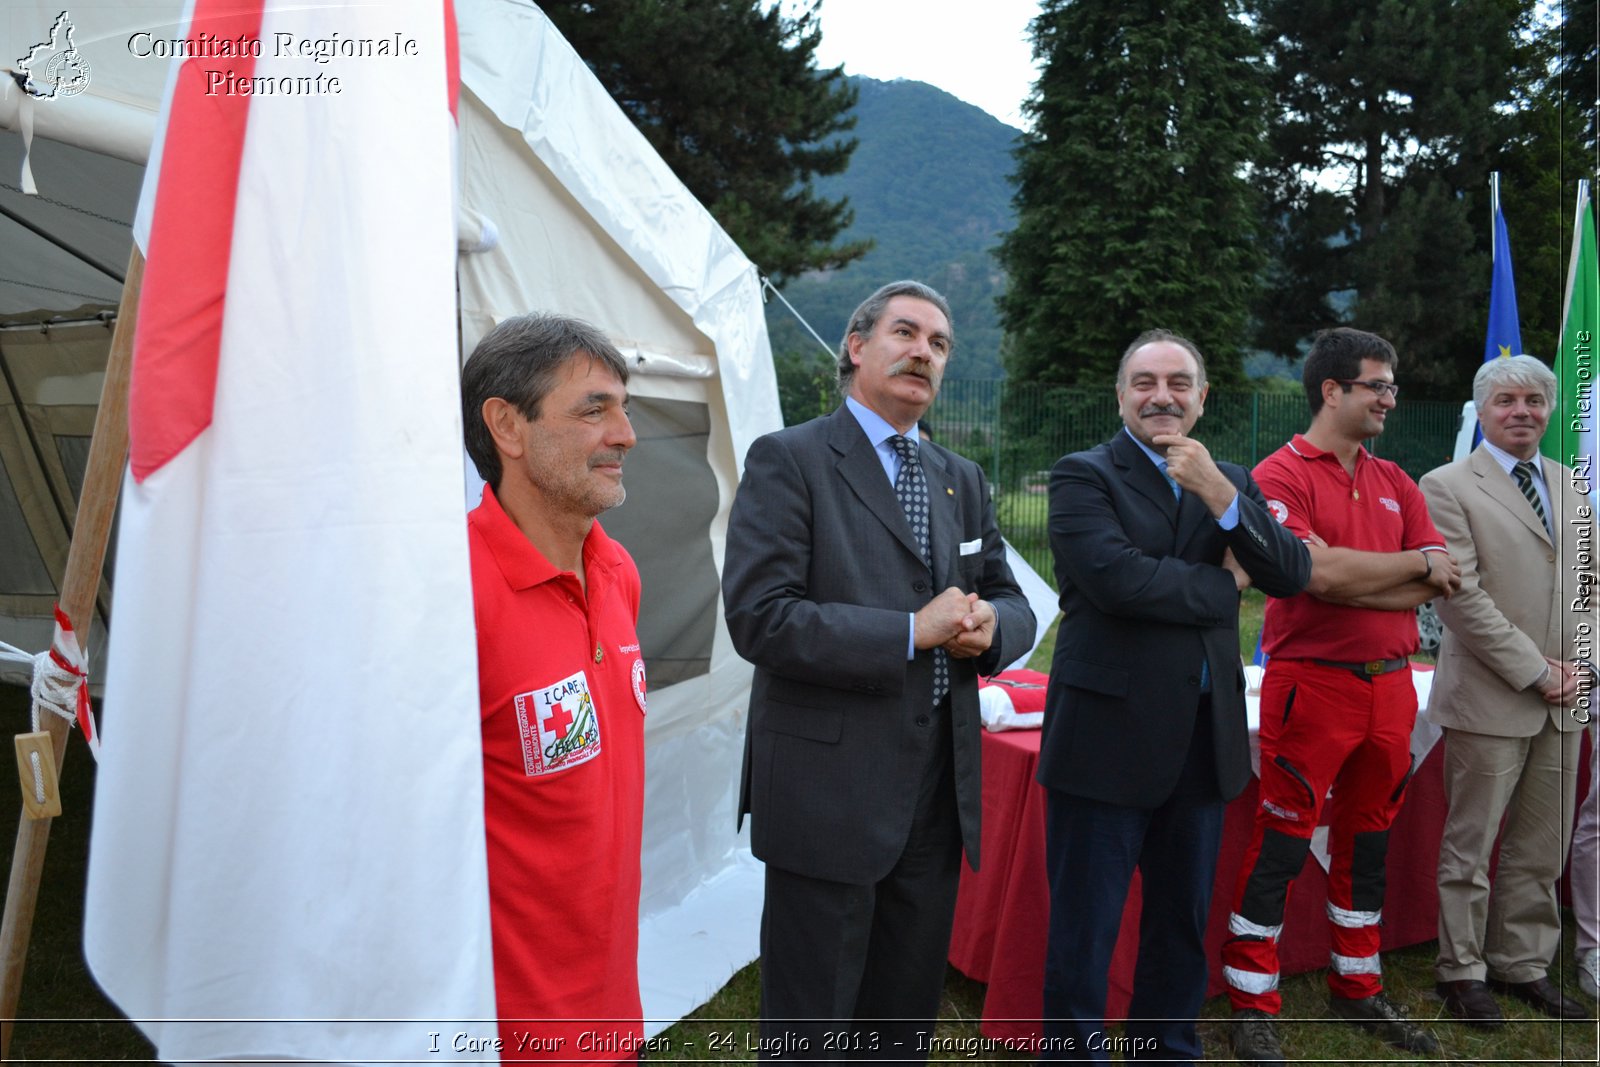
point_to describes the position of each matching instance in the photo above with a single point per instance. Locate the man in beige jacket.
(1505, 694)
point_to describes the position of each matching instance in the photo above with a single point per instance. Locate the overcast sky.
(977, 50)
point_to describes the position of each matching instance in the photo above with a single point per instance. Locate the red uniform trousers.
(1321, 726)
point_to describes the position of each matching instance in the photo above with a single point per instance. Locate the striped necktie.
(1523, 472)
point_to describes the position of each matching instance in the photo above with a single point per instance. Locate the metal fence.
(1017, 431)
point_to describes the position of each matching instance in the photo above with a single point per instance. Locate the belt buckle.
(1373, 666)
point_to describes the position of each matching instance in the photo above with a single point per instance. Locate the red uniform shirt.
(562, 687)
(1379, 509)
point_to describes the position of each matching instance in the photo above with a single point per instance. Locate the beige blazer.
(1515, 605)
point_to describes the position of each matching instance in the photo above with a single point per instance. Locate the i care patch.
(558, 726)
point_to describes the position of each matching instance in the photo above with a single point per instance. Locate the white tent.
(564, 207)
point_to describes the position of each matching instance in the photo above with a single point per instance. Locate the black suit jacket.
(1146, 601)
(821, 572)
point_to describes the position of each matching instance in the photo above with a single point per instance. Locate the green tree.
(808, 383)
(1537, 205)
(1387, 119)
(1134, 209)
(1580, 76)
(728, 92)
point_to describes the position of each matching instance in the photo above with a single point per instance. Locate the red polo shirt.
(562, 687)
(1378, 509)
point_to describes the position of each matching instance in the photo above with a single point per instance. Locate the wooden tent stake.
(97, 504)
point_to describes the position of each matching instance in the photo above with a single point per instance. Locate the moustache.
(913, 367)
(1160, 409)
(600, 459)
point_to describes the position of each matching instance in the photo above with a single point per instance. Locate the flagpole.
(97, 504)
(1494, 211)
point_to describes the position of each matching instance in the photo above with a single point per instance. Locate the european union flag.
(1505, 336)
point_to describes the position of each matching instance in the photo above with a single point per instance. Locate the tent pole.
(97, 504)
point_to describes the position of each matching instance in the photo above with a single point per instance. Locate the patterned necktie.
(1523, 472)
(912, 490)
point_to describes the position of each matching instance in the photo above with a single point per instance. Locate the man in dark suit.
(866, 580)
(1145, 737)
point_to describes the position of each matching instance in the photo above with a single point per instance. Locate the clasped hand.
(1563, 684)
(960, 623)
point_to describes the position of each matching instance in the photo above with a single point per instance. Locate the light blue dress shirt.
(878, 431)
(1230, 518)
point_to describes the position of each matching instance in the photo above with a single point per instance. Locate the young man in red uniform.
(1337, 704)
(562, 686)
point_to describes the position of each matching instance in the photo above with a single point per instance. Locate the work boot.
(1379, 1016)
(1255, 1038)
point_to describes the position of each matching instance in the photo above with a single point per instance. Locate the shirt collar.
(1507, 461)
(1306, 450)
(875, 426)
(1155, 457)
(522, 565)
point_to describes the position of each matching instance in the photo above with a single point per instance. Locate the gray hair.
(518, 361)
(1150, 337)
(1525, 371)
(865, 319)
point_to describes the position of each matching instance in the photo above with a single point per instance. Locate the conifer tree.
(1387, 118)
(1134, 208)
(728, 92)
(1580, 77)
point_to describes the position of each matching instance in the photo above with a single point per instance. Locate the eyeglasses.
(1379, 387)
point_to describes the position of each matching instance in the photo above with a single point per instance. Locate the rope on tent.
(767, 286)
(55, 688)
(60, 686)
(54, 691)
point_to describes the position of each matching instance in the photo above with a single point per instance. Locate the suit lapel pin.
(949, 491)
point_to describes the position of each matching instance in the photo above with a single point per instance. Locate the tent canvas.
(564, 207)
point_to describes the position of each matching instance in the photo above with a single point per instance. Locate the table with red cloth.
(1002, 911)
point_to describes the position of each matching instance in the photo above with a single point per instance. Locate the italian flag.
(1570, 438)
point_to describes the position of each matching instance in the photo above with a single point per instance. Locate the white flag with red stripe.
(288, 855)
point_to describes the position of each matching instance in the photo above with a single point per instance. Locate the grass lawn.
(1309, 1035)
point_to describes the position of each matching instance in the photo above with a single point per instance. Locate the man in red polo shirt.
(562, 685)
(1337, 703)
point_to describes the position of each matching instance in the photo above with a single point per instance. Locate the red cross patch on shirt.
(558, 725)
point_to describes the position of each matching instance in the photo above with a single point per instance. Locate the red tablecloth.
(1001, 912)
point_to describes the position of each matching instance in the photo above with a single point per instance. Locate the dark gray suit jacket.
(1146, 601)
(820, 574)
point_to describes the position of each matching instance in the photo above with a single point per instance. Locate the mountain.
(930, 183)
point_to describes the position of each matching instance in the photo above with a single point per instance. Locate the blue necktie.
(1177, 490)
(1177, 494)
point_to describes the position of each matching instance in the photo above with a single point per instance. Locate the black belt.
(1368, 670)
